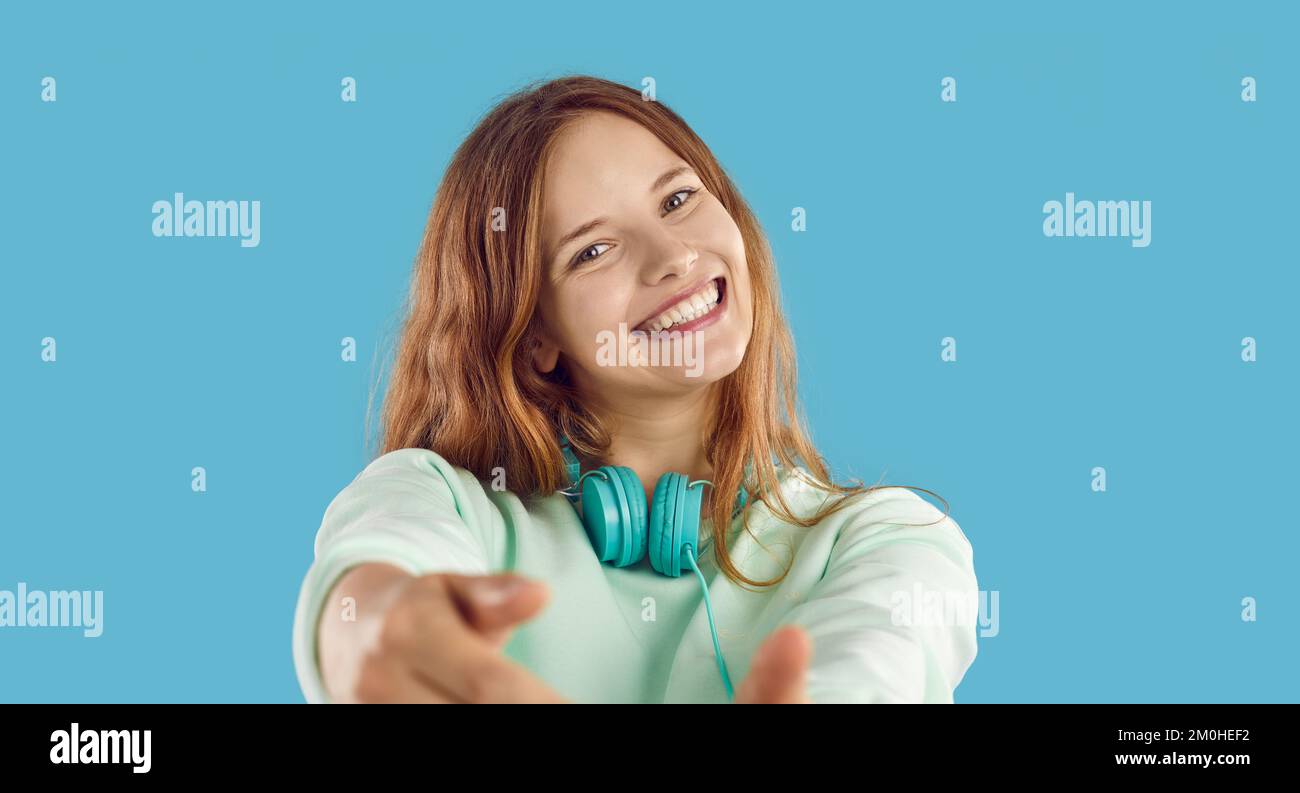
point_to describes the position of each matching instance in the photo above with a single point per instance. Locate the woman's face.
(637, 254)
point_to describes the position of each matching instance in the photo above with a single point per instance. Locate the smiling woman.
(490, 567)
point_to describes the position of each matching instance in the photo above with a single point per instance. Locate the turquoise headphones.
(613, 513)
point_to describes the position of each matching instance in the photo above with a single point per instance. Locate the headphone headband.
(574, 491)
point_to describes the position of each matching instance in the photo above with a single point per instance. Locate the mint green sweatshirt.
(891, 609)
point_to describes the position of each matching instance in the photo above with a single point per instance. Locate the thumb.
(494, 604)
(780, 670)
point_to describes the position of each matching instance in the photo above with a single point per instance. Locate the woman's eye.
(583, 258)
(670, 206)
(674, 202)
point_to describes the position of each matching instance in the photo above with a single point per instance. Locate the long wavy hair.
(463, 381)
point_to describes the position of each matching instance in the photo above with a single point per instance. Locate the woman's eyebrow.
(578, 232)
(669, 175)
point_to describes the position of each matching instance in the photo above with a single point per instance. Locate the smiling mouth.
(688, 309)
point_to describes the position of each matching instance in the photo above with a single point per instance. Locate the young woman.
(490, 555)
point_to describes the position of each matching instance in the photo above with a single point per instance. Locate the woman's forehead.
(605, 150)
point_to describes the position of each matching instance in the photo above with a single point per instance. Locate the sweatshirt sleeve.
(893, 618)
(409, 508)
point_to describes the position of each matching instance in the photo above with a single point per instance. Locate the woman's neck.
(653, 437)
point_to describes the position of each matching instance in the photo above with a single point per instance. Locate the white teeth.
(693, 307)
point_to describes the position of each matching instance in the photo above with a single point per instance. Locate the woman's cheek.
(725, 239)
(593, 336)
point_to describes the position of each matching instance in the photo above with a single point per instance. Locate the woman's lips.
(644, 325)
(699, 322)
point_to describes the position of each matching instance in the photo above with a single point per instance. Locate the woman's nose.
(669, 255)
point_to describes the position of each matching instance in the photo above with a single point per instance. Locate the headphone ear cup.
(689, 529)
(672, 526)
(601, 516)
(657, 529)
(626, 534)
(635, 495)
(605, 515)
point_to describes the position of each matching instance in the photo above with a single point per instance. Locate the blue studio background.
(924, 221)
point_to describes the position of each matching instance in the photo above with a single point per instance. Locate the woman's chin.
(709, 367)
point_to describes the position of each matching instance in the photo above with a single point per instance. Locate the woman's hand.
(429, 639)
(779, 673)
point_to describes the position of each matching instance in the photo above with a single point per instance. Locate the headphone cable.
(713, 629)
